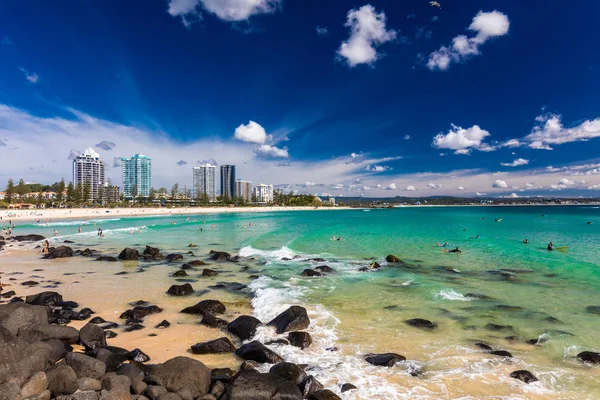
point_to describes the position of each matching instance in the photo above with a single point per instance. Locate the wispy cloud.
(31, 77)
(322, 31)
(226, 10)
(516, 163)
(7, 42)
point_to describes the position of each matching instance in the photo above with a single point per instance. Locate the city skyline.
(459, 101)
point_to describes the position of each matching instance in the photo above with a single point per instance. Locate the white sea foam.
(449, 294)
(269, 255)
(76, 223)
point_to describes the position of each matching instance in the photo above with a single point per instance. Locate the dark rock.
(129, 254)
(347, 387)
(106, 258)
(589, 356)
(310, 272)
(300, 339)
(180, 273)
(294, 318)
(210, 320)
(86, 366)
(196, 263)
(134, 327)
(244, 326)
(28, 238)
(219, 256)
(183, 372)
(154, 391)
(505, 307)
(324, 394)
(477, 296)
(181, 290)
(317, 259)
(221, 345)
(67, 304)
(30, 283)
(35, 386)
(254, 386)
(44, 299)
(483, 346)
(205, 306)
(498, 328)
(60, 252)
(17, 314)
(593, 310)
(138, 356)
(151, 253)
(278, 341)
(374, 265)
(112, 360)
(309, 386)
(68, 241)
(111, 334)
(8, 294)
(39, 332)
(97, 320)
(325, 269)
(286, 259)
(524, 375)
(139, 312)
(256, 351)
(501, 353)
(421, 323)
(289, 371)
(392, 259)
(553, 320)
(92, 336)
(384, 360)
(62, 380)
(174, 257)
(209, 272)
(163, 324)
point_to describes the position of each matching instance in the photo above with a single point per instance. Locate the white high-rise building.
(137, 171)
(205, 181)
(88, 168)
(243, 189)
(263, 193)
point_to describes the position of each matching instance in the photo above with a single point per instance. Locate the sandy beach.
(69, 213)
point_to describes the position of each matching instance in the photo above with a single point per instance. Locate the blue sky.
(378, 98)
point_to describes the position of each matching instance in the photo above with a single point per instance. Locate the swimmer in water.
(550, 246)
(526, 241)
(456, 250)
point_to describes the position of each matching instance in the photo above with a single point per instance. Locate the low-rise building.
(263, 193)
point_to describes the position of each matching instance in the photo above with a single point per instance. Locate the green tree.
(86, 192)
(153, 194)
(60, 189)
(70, 192)
(134, 193)
(21, 188)
(10, 191)
(175, 190)
(40, 198)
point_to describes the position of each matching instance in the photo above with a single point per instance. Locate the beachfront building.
(243, 189)
(88, 168)
(111, 194)
(263, 193)
(137, 172)
(228, 181)
(204, 181)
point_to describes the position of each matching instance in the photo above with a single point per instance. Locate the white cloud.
(556, 187)
(486, 25)
(337, 186)
(367, 31)
(251, 133)
(461, 140)
(565, 181)
(356, 158)
(227, 10)
(551, 131)
(267, 150)
(435, 185)
(459, 187)
(322, 31)
(377, 168)
(410, 188)
(406, 137)
(499, 184)
(516, 163)
(513, 196)
(31, 77)
(531, 186)
(594, 187)
(391, 186)
(480, 194)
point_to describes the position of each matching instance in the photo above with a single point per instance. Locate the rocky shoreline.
(42, 358)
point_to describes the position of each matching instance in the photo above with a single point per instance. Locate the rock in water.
(289, 371)
(28, 238)
(593, 309)
(421, 323)
(385, 359)
(524, 375)
(209, 272)
(44, 299)
(60, 252)
(324, 394)
(205, 306)
(221, 345)
(254, 386)
(219, 256)
(501, 353)
(347, 386)
(210, 320)
(244, 327)
(256, 351)
(129, 254)
(309, 386)
(325, 269)
(392, 259)
(589, 356)
(152, 253)
(183, 372)
(300, 339)
(181, 290)
(292, 319)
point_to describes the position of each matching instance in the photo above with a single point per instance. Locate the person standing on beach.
(45, 247)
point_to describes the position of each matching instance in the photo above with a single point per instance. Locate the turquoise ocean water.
(530, 293)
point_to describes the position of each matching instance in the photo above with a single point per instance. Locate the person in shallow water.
(456, 250)
(550, 246)
(526, 241)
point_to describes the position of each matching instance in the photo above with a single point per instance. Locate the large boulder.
(35, 386)
(174, 257)
(181, 290)
(252, 386)
(152, 253)
(292, 319)
(18, 314)
(221, 345)
(91, 336)
(302, 340)
(310, 273)
(139, 312)
(62, 380)
(421, 323)
(183, 373)
(384, 360)
(209, 272)
(28, 238)
(392, 259)
(39, 332)
(205, 306)
(524, 375)
(256, 351)
(44, 299)
(244, 326)
(326, 269)
(324, 394)
(86, 366)
(19, 360)
(214, 322)
(129, 254)
(60, 252)
(289, 371)
(219, 256)
(309, 386)
(589, 356)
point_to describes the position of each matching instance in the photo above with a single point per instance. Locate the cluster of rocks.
(12, 241)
